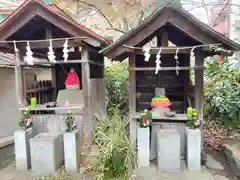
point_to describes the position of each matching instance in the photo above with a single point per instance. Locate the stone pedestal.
(193, 149)
(72, 150)
(46, 153)
(22, 149)
(143, 147)
(168, 150)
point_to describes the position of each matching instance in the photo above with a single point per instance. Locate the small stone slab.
(193, 149)
(143, 135)
(22, 149)
(213, 164)
(47, 153)
(168, 150)
(72, 150)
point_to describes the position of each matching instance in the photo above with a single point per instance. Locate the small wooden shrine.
(173, 29)
(36, 28)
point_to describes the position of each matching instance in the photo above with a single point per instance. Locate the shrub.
(116, 77)
(116, 155)
(222, 93)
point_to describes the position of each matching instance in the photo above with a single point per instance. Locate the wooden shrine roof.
(30, 10)
(179, 23)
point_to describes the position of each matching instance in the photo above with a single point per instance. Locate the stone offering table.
(47, 154)
(51, 122)
(162, 122)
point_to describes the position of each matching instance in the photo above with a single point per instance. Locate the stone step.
(88, 153)
(231, 149)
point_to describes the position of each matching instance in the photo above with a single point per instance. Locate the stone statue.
(160, 103)
(72, 95)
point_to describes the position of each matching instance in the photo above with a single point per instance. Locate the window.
(3, 16)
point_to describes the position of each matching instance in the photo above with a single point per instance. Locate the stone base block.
(46, 153)
(22, 149)
(193, 149)
(72, 150)
(168, 150)
(143, 143)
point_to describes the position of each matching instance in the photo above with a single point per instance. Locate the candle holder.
(33, 102)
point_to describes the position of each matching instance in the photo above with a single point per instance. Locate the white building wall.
(235, 27)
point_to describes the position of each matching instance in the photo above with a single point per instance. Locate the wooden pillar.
(21, 76)
(132, 95)
(199, 75)
(199, 88)
(18, 82)
(88, 118)
(186, 75)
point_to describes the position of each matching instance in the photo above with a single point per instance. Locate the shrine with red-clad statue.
(41, 36)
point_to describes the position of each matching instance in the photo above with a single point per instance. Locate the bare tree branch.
(98, 10)
(220, 12)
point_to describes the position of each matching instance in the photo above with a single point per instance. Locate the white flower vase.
(72, 150)
(22, 149)
(193, 149)
(143, 145)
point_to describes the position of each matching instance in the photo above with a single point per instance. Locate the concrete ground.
(217, 169)
(152, 174)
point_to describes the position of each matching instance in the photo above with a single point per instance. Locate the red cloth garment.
(72, 79)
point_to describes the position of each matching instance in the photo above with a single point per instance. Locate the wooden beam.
(36, 66)
(62, 62)
(163, 68)
(59, 43)
(55, 43)
(171, 50)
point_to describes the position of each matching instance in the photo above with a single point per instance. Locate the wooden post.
(132, 96)
(54, 83)
(22, 82)
(186, 75)
(88, 124)
(18, 84)
(199, 91)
